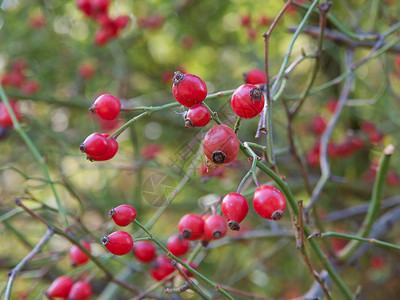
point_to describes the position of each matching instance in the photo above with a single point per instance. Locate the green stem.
(36, 154)
(374, 208)
(357, 238)
(373, 14)
(189, 268)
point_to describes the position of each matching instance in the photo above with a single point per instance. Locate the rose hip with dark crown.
(161, 267)
(106, 106)
(191, 227)
(235, 209)
(81, 290)
(95, 144)
(118, 242)
(269, 202)
(60, 287)
(122, 215)
(214, 227)
(110, 153)
(197, 116)
(247, 101)
(188, 89)
(144, 251)
(221, 145)
(177, 245)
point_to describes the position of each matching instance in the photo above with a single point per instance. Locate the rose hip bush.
(153, 150)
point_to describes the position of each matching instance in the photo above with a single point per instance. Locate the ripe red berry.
(122, 215)
(110, 153)
(318, 125)
(186, 271)
(95, 144)
(269, 202)
(101, 36)
(214, 227)
(247, 101)
(118, 242)
(100, 6)
(254, 77)
(221, 145)
(177, 245)
(191, 227)
(144, 251)
(77, 256)
(197, 116)
(188, 89)
(60, 287)
(106, 106)
(122, 21)
(161, 267)
(81, 290)
(86, 70)
(5, 117)
(235, 209)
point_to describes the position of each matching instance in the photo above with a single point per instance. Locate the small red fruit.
(191, 227)
(122, 21)
(254, 77)
(60, 287)
(95, 144)
(144, 251)
(235, 209)
(110, 153)
(214, 227)
(197, 116)
(318, 125)
(100, 6)
(269, 202)
(77, 256)
(122, 215)
(161, 268)
(221, 145)
(5, 117)
(177, 245)
(118, 242)
(247, 101)
(86, 70)
(85, 6)
(101, 36)
(188, 89)
(81, 290)
(106, 106)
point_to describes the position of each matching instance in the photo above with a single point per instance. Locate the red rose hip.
(81, 290)
(188, 89)
(221, 145)
(177, 245)
(118, 242)
(110, 153)
(214, 228)
(197, 116)
(254, 77)
(77, 256)
(191, 227)
(106, 106)
(247, 101)
(269, 202)
(95, 144)
(161, 267)
(235, 209)
(144, 251)
(122, 215)
(60, 287)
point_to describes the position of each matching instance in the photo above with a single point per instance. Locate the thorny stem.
(356, 238)
(373, 211)
(13, 273)
(189, 268)
(36, 154)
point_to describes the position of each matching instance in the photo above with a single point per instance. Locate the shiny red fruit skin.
(95, 145)
(5, 117)
(107, 107)
(81, 290)
(215, 228)
(123, 215)
(118, 242)
(254, 77)
(188, 89)
(247, 101)
(161, 267)
(111, 151)
(77, 256)
(144, 251)
(269, 202)
(60, 287)
(198, 115)
(234, 207)
(177, 245)
(221, 138)
(191, 227)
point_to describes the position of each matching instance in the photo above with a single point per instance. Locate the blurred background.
(55, 60)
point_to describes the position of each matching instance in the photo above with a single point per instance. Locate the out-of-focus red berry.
(150, 151)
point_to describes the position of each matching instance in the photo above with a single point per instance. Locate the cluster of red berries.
(97, 146)
(64, 288)
(252, 27)
(109, 28)
(16, 77)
